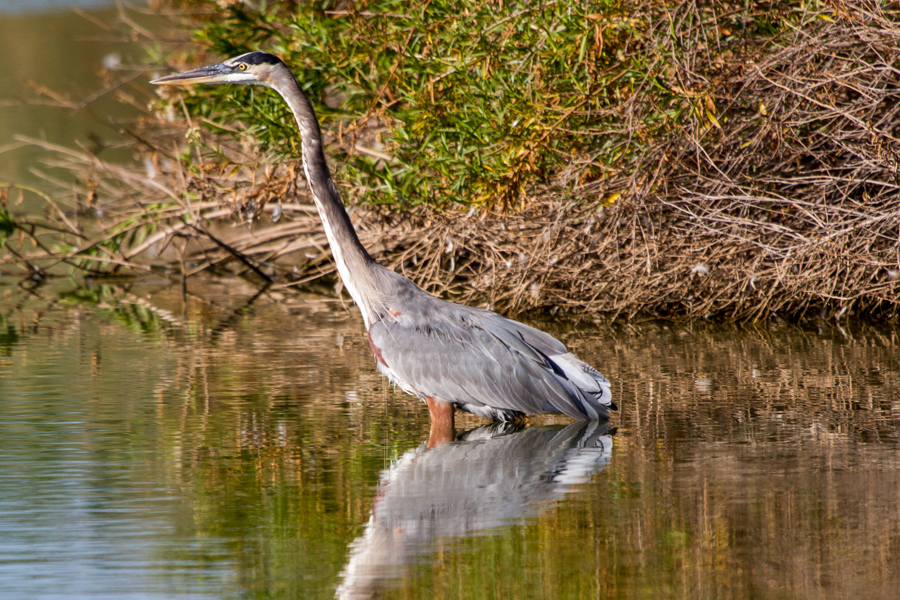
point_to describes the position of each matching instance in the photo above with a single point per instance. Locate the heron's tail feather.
(587, 379)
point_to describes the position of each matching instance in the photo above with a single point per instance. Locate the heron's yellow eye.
(242, 66)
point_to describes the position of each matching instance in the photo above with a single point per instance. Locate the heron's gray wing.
(475, 358)
(537, 339)
(585, 377)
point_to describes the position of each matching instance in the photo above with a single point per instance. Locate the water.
(54, 58)
(230, 445)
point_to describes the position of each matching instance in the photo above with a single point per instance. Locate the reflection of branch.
(236, 314)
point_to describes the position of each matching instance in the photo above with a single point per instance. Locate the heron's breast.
(376, 350)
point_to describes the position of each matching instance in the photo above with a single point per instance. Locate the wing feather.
(481, 359)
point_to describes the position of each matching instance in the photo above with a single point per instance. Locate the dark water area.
(232, 444)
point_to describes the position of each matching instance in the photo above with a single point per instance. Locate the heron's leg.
(442, 427)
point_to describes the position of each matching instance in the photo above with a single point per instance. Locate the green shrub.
(479, 99)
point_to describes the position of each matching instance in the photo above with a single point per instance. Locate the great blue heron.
(450, 356)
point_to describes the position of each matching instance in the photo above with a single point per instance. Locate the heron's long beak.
(220, 73)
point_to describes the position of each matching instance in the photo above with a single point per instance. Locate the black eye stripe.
(259, 58)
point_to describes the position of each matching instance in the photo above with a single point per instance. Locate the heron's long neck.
(353, 262)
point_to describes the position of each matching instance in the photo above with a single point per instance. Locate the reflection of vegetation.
(9, 337)
(748, 463)
(86, 294)
(7, 224)
(128, 311)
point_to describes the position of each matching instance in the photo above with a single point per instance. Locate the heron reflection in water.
(489, 479)
(450, 356)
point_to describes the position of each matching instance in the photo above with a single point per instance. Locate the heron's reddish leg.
(442, 427)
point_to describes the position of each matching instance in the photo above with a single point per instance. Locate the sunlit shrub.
(448, 101)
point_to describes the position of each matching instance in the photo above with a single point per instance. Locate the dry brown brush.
(773, 192)
(784, 200)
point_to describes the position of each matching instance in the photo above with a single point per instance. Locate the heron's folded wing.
(458, 360)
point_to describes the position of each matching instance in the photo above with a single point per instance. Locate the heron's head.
(253, 68)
